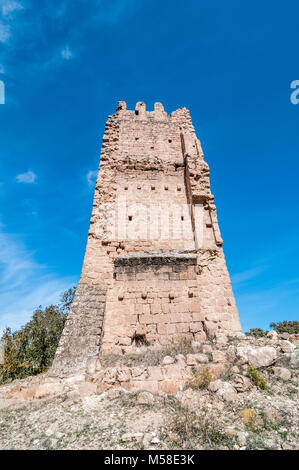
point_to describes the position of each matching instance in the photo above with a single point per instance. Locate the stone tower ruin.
(154, 269)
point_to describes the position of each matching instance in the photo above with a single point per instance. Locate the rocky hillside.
(227, 393)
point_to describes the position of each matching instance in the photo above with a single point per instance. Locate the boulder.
(272, 334)
(196, 345)
(201, 358)
(146, 398)
(167, 360)
(273, 416)
(218, 356)
(294, 338)
(282, 373)
(180, 359)
(241, 383)
(260, 356)
(110, 375)
(132, 436)
(286, 346)
(221, 338)
(124, 374)
(49, 389)
(295, 357)
(191, 360)
(189, 398)
(224, 390)
(73, 379)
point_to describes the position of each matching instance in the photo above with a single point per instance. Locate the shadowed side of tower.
(154, 269)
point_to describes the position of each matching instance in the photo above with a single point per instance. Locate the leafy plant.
(256, 332)
(256, 378)
(291, 327)
(249, 416)
(31, 349)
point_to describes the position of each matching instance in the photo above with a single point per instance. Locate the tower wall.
(154, 269)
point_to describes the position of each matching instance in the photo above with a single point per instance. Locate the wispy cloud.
(29, 177)
(66, 53)
(24, 283)
(8, 7)
(242, 277)
(34, 25)
(91, 177)
(4, 32)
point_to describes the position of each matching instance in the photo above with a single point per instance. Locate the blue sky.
(66, 63)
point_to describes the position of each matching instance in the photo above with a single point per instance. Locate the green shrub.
(256, 378)
(256, 332)
(291, 327)
(31, 349)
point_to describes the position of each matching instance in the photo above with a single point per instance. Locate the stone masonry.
(154, 271)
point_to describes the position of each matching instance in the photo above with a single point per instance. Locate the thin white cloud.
(4, 32)
(29, 177)
(24, 284)
(91, 177)
(240, 278)
(8, 7)
(66, 53)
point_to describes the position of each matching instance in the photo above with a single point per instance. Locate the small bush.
(256, 332)
(31, 349)
(257, 378)
(249, 416)
(201, 380)
(291, 327)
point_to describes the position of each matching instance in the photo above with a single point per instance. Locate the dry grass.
(201, 379)
(152, 357)
(196, 430)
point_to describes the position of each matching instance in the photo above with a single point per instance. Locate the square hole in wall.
(130, 217)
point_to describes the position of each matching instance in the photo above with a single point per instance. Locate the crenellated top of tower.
(159, 113)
